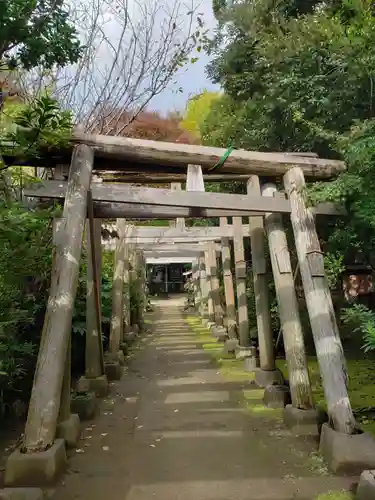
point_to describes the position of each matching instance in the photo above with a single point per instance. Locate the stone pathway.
(175, 430)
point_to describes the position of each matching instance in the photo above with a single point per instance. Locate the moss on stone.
(361, 388)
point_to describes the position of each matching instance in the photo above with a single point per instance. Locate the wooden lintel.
(104, 210)
(178, 155)
(165, 232)
(194, 201)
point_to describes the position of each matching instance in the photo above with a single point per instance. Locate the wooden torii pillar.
(95, 378)
(117, 321)
(294, 344)
(231, 316)
(240, 269)
(326, 335)
(267, 374)
(39, 443)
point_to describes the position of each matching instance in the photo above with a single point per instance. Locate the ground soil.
(175, 429)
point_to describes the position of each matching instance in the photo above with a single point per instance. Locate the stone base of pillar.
(230, 346)
(117, 357)
(347, 453)
(366, 486)
(99, 385)
(219, 332)
(251, 364)
(85, 405)
(130, 338)
(245, 352)
(113, 370)
(276, 396)
(264, 378)
(304, 422)
(69, 430)
(36, 469)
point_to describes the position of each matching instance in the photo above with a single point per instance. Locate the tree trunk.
(294, 345)
(46, 392)
(319, 305)
(262, 306)
(240, 267)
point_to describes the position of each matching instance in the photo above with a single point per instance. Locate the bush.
(362, 320)
(25, 256)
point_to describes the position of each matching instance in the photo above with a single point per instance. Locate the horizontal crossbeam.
(170, 260)
(195, 201)
(179, 155)
(165, 232)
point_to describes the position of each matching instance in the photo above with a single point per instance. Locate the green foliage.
(197, 108)
(299, 76)
(25, 256)
(36, 32)
(36, 127)
(333, 264)
(362, 320)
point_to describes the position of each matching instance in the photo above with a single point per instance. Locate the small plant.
(363, 321)
(334, 267)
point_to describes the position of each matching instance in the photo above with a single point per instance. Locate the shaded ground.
(176, 429)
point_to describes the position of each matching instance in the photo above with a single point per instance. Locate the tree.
(150, 125)
(36, 32)
(197, 110)
(132, 51)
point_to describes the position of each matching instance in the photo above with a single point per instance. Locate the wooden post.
(94, 358)
(126, 291)
(215, 285)
(240, 267)
(294, 344)
(141, 268)
(210, 301)
(64, 412)
(228, 283)
(262, 307)
(203, 305)
(195, 182)
(179, 223)
(327, 340)
(137, 285)
(46, 392)
(117, 321)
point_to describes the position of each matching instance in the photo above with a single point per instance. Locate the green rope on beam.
(222, 160)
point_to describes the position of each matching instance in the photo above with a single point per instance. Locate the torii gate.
(262, 204)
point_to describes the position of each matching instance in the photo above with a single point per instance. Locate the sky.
(191, 78)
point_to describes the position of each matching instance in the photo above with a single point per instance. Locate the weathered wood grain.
(294, 345)
(177, 155)
(327, 340)
(258, 260)
(46, 392)
(196, 201)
